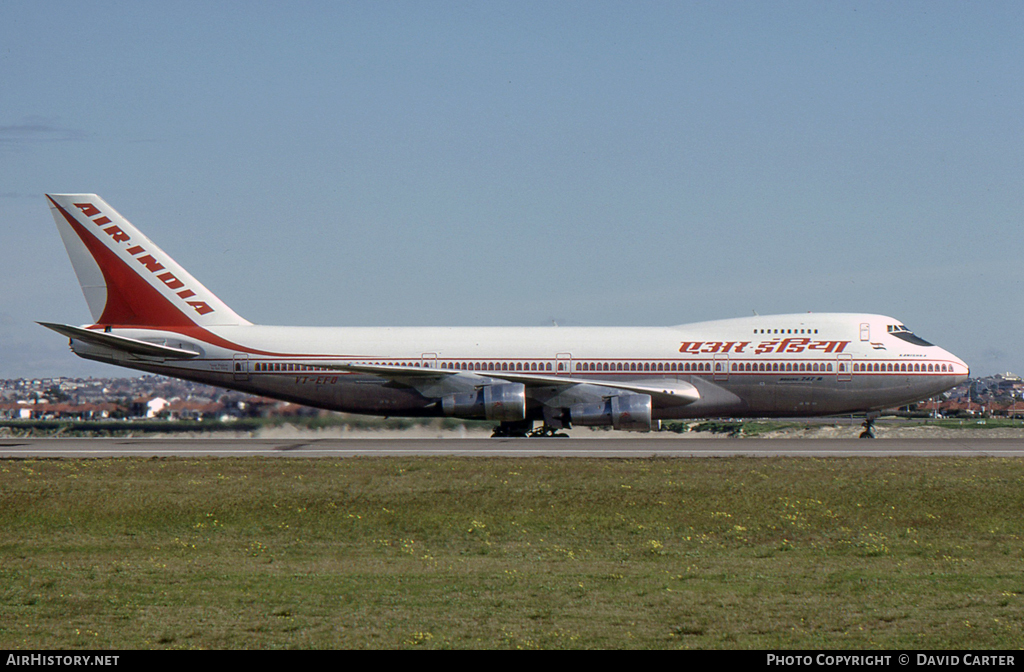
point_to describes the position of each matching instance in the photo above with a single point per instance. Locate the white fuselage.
(782, 365)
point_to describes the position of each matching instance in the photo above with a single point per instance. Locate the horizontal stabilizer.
(121, 343)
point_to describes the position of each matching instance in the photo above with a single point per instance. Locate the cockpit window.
(900, 331)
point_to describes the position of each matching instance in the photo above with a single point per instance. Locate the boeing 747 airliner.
(150, 314)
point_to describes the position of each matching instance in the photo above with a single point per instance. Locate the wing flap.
(666, 392)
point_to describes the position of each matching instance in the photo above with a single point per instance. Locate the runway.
(80, 448)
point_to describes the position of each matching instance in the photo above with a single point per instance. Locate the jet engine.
(631, 412)
(504, 402)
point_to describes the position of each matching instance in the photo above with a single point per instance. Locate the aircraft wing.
(673, 393)
(122, 343)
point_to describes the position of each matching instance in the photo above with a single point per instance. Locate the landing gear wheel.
(869, 428)
(512, 430)
(547, 432)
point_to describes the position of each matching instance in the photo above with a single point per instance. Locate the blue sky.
(489, 163)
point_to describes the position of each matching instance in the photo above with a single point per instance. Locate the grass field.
(512, 553)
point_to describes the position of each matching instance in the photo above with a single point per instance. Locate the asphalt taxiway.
(32, 448)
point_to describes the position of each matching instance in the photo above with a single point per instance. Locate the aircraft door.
(721, 367)
(844, 368)
(241, 366)
(865, 331)
(563, 363)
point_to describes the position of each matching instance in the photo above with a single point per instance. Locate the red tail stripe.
(131, 301)
(134, 303)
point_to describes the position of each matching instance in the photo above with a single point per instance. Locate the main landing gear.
(524, 428)
(514, 430)
(547, 432)
(869, 426)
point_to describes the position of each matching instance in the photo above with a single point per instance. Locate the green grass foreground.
(916, 553)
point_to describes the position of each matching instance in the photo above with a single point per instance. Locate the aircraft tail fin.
(127, 280)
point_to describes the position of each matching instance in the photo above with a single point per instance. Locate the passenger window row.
(680, 367)
(696, 367)
(783, 367)
(915, 367)
(498, 366)
(287, 366)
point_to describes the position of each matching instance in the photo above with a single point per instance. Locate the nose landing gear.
(869, 426)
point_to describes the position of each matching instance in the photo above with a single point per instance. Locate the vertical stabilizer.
(127, 280)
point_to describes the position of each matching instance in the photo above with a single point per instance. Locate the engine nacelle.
(505, 402)
(631, 412)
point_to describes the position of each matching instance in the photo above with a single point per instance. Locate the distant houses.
(966, 408)
(44, 410)
(151, 408)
